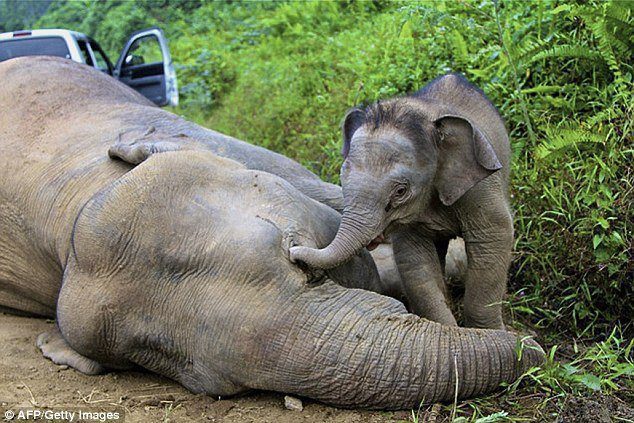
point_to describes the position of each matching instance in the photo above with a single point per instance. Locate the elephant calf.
(424, 169)
(181, 264)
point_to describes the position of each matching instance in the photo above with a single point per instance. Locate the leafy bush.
(204, 81)
(17, 14)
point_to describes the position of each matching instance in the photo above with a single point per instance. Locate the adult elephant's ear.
(353, 121)
(465, 157)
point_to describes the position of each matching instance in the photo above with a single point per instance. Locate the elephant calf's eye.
(398, 195)
(400, 191)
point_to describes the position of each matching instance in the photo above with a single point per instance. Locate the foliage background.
(282, 75)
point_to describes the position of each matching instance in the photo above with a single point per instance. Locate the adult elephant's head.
(401, 157)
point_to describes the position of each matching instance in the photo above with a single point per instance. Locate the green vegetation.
(283, 74)
(19, 14)
(587, 378)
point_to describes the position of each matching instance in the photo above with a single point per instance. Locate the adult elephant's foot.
(139, 152)
(55, 347)
(136, 146)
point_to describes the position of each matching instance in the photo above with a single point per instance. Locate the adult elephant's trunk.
(359, 226)
(354, 348)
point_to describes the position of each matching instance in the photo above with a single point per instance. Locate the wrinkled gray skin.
(181, 264)
(161, 132)
(425, 169)
(391, 283)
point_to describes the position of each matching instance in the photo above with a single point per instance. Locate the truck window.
(40, 46)
(103, 63)
(85, 54)
(145, 50)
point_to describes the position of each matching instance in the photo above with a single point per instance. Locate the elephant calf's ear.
(465, 157)
(353, 121)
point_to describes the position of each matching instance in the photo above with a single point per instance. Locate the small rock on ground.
(293, 403)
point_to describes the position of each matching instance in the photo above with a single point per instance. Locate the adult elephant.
(181, 264)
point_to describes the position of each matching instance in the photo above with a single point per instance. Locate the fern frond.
(619, 22)
(621, 12)
(613, 30)
(602, 117)
(606, 47)
(569, 51)
(558, 139)
(543, 89)
(526, 52)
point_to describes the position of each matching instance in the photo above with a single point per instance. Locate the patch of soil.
(597, 408)
(28, 380)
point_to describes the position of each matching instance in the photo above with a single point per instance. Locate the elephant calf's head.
(400, 155)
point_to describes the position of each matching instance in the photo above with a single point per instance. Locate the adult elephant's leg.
(421, 272)
(136, 146)
(137, 153)
(54, 346)
(488, 243)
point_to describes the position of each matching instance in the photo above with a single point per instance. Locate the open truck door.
(145, 65)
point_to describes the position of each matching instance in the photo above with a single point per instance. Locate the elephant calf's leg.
(488, 248)
(420, 269)
(55, 347)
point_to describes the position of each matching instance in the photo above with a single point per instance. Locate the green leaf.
(460, 47)
(562, 8)
(523, 309)
(596, 240)
(617, 238)
(500, 416)
(591, 381)
(570, 369)
(558, 139)
(406, 30)
(604, 223)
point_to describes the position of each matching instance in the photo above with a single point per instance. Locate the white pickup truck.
(145, 63)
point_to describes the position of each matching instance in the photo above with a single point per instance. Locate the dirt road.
(28, 379)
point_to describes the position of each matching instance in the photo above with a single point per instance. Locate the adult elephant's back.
(55, 128)
(58, 119)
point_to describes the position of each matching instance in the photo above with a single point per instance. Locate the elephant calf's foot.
(55, 347)
(440, 315)
(495, 322)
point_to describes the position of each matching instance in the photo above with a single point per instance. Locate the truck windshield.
(41, 46)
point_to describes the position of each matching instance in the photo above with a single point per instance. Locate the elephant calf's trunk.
(325, 258)
(352, 236)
